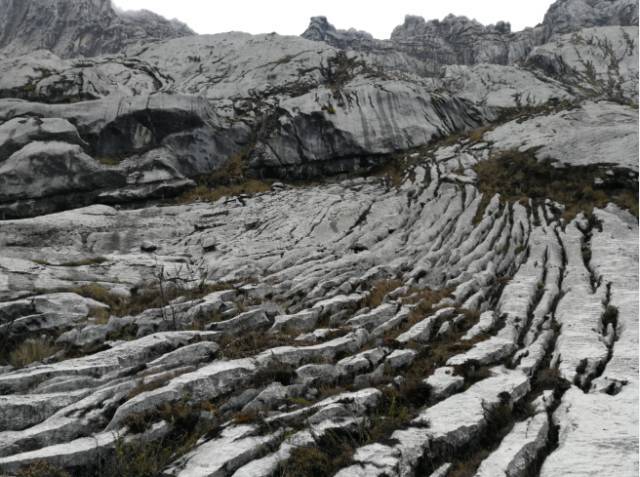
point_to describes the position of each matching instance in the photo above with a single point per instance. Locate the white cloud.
(291, 17)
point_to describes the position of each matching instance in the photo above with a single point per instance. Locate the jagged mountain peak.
(565, 16)
(72, 28)
(455, 39)
(418, 22)
(256, 255)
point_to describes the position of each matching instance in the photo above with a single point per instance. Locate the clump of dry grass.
(31, 351)
(477, 134)
(426, 301)
(399, 405)
(313, 461)
(379, 291)
(182, 415)
(100, 316)
(254, 342)
(393, 170)
(203, 193)
(245, 417)
(467, 459)
(41, 469)
(275, 371)
(230, 180)
(84, 261)
(201, 320)
(73, 263)
(149, 459)
(109, 160)
(146, 298)
(102, 294)
(135, 459)
(144, 387)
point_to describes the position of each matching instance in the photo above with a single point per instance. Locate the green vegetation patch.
(519, 176)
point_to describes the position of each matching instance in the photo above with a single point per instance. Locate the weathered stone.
(109, 30)
(324, 287)
(443, 382)
(400, 358)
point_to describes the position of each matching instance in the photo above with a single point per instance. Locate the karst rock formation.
(328, 254)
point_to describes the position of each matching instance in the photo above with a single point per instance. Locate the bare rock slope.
(237, 255)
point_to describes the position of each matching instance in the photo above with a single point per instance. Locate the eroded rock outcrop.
(78, 28)
(461, 298)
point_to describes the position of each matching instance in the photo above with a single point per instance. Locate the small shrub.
(341, 69)
(136, 459)
(394, 413)
(275, 371)
(332, 452)
(148, 459)
(139, 422)
(467, 459)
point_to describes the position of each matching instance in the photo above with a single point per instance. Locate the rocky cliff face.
(236, 255)
(158, 116)
(428, 46)
(71, 28)
(571, 15)
(457, 40)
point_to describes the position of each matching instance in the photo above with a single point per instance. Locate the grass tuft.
(31, 351)
(41, 469)
(203, 193)
(379, 291)
(230, 180)
(73, 263)
(146, 298)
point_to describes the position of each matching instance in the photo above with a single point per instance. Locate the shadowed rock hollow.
(257, 255)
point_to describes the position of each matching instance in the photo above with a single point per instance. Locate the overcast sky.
(291, 17)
